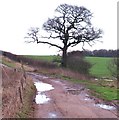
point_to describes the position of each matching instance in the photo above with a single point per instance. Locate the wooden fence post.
(22, 83)
(24, 73)
(20, 95)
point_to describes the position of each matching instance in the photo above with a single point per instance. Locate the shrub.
(77, 63)
(57, 60)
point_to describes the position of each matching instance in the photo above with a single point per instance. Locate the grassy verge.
(104, 92)
(27, 109)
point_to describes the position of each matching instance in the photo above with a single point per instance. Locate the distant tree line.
(95, 53)
(101, 53)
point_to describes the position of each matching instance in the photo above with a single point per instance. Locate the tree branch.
(33, 34)
(50, 44)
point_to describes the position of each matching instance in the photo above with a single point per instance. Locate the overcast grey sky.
(17, 16)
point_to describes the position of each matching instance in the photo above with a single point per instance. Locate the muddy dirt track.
(69, 100)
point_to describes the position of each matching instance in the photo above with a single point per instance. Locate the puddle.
(87, 99)
(41, 87)
(41, 98)
(86, 95)
(107, 107)
(56, 81)
(96, 79)
(52, 115)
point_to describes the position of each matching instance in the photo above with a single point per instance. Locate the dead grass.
(11, 101)
(60, 72)
(10, 77)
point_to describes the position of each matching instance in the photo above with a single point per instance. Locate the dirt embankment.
(69, 100)
(15, 84)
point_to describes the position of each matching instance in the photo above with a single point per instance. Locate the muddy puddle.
(52, 115)
(100, 105)
(41, 87)
(41, 98)
(86, 97)
(106, 107)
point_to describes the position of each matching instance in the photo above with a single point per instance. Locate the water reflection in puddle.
(107, 107)
(103, 106)
(87, 99)
(41, 87)
(52, 115)
(41, 98)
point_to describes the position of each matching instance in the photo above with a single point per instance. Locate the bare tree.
(71, 25)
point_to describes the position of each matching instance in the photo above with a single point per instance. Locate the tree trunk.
(64, 57)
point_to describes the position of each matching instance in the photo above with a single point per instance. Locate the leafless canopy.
(72, 25)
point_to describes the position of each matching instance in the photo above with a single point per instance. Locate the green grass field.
(45, 58)
(100, 66)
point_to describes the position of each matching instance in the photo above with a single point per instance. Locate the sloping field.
(100, 66)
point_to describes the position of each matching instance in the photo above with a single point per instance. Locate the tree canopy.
(71, 25)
